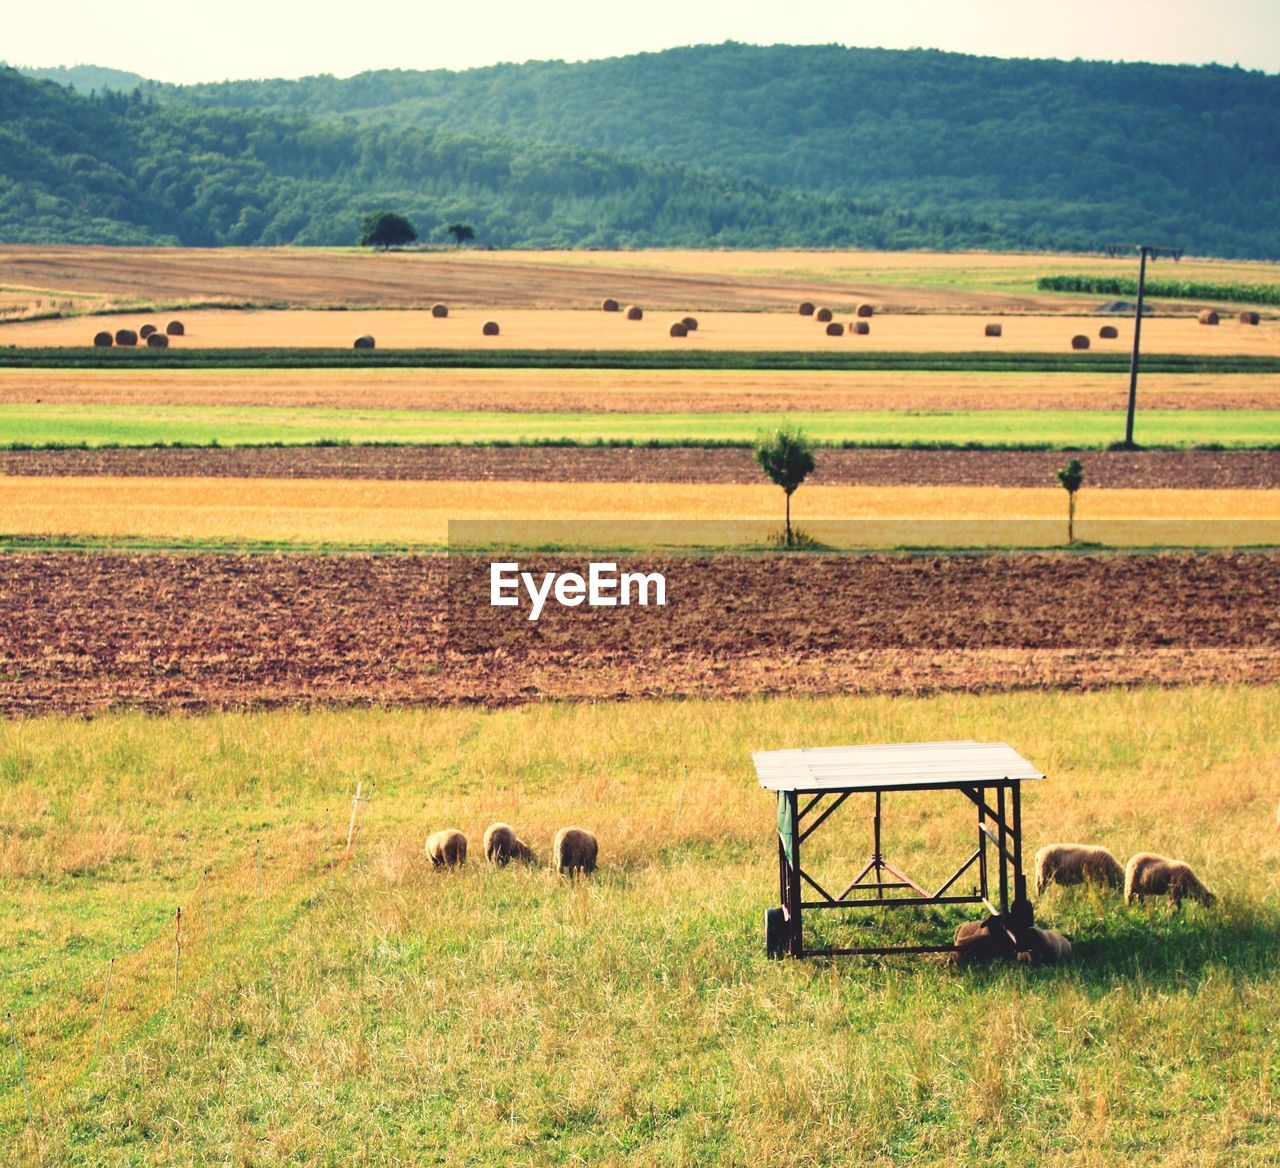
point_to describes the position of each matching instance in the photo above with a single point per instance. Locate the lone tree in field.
(787, 458)
(461, 232)
(386, 229)
(1071, 476)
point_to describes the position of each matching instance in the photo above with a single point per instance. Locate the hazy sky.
(260, 38)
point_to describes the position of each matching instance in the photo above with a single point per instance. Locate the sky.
(265, 38)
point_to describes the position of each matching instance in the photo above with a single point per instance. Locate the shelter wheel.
(775, 932)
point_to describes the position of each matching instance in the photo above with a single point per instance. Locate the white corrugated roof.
(900, 764)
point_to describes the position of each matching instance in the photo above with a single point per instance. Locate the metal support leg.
(983, 885)
(795, 937)
(1003, 830)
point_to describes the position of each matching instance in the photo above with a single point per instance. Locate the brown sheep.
(447, 848)
(1076, 864)
(1043, 947)
(575, 850)
(985, 940)
(501, 845)
(1150, 875)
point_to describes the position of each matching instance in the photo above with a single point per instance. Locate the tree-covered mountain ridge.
(976, 151)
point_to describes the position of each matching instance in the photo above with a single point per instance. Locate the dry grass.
(565, 329)
(366, 512)
(679, 281)
(629, 391)
(392, 1013)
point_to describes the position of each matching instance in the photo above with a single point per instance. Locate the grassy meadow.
(49, 424)
(375, 1011)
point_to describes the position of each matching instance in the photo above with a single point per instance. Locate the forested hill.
(1075, 151)
(916, 148)
(125, 168)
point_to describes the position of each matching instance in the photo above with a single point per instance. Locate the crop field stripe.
(41, 424)
(355, 512)
(886, 360)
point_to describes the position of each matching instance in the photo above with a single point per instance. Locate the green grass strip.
(38, 425)
(832, 359)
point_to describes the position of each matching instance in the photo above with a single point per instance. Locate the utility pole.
(1144, 250)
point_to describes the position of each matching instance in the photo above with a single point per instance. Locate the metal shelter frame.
(812, 784)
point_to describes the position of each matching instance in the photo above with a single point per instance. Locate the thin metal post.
(1137, 335)
(259, 855)
(102, 1013)
(1019, 879)
(877, 857)
(177, 952)
(796, 937)
(983, 887)
(1004, 852)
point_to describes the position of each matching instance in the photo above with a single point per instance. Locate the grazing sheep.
(501, 845)
(447, 848)
(575, 850)
(1150, 875)
(1076, 864)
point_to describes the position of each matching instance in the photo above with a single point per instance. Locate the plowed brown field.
(84, 633)
(1155, 469)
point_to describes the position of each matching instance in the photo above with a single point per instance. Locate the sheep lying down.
(1150, 875)
(1077, 864)
(988, 940)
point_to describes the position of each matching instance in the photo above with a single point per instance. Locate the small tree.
(1071, 476)
(787, 458)
(386, 229)
(461, 232)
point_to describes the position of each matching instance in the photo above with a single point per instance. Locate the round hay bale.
(835, 329)
(994, 330)
(364, 342)
(806, 308)
(1108, 332)
(157, 340)
(102, 340)
(126, 337)
(678, 330)
(690, 322)
(175, 328)
(1208, 316)
(490, 328)
(865, 310)
(1249, 318)
(861, 328)
(635, 312)
(439, 310)
(609, 304)
(146, 330)
(1079, 341)
(822, 315)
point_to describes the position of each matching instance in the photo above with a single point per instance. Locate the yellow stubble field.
(593, 330)
(365, 512)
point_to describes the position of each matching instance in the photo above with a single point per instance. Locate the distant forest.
(728, 145)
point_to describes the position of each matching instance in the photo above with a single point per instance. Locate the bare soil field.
(692, 280)
(631, 391)
(87, 632)
(1154, 469)
(584, 329)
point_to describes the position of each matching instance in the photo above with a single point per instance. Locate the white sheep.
(1147, 874)
(575, 850)
(1076, 864)
(501, 845)
(447, 848)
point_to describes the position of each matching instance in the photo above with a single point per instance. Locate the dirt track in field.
(1207, 470)
(630, 391)
(88, 632)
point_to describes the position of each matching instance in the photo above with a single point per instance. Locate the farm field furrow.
(631, 391)
(84, 632)
(41, 424)
(675, 278)
(347, 512)
(1151, 469)
(536, 329)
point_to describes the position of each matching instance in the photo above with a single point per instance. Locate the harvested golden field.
(654, 391)
(584, 329)
(382, 512)
(688, 280)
